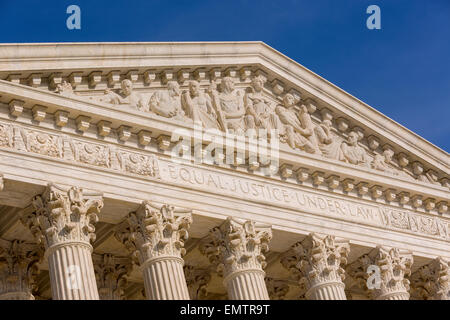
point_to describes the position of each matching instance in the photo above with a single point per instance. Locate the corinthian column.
(18, 269)
(382, 273)
(63, 221)
(156, 235)
(432, 281)
(316, 262)
(236, 248)
(111, 273)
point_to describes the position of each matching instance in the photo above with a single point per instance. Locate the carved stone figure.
(126, 96)
(167, 103)
(432, 177)
(381, 162)
(198, 106)
(64, 88)
(229, 106)
(260, 115)
(329, 144)
(352, 152)
(298, 126)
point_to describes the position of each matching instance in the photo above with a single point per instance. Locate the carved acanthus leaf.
(394, 265)
(277, 289)
(317, 260)
(197, 280)
(432, 281)
(63, 215)
(111, 273)
(154, 231)
(237, 245)
(19, 266)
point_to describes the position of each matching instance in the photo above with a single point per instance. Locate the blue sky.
(403, 70)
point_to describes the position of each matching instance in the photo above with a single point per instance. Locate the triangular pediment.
(318, 121)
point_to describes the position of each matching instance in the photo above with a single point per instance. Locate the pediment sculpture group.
(227, 109)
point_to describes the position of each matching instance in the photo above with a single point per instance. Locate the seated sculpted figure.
(329, 144)
(126, 96)
(229, 106)
(298, 127)
(167, 103)
(381, 162)
(352, 152)
(198, 106)
(259, 112)
(64, 89)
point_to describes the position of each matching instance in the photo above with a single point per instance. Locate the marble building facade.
(208, 171)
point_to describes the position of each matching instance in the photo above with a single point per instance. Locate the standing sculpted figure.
(126, 96)
(299, 128)
(259, 112)
(229, 106)
(167, 103)
(198, 106)
(352, 152)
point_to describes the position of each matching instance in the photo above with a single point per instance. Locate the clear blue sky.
(403, 70)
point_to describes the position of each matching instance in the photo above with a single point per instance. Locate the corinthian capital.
(383, 273)
(111, 273)
(197, 280)
(237, 245)
(61, 215)
(317, 260)
(18, 268)
(277, 289)
(432, 281)
(155, 231)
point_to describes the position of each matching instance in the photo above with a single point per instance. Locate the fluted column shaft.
(71, 272)
(327, 291)
(236, 248)
(393, 296)
(63, 221)
(156, 235)
(246, 285)
(164, 279)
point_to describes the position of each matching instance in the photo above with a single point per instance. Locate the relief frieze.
(65, 147)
